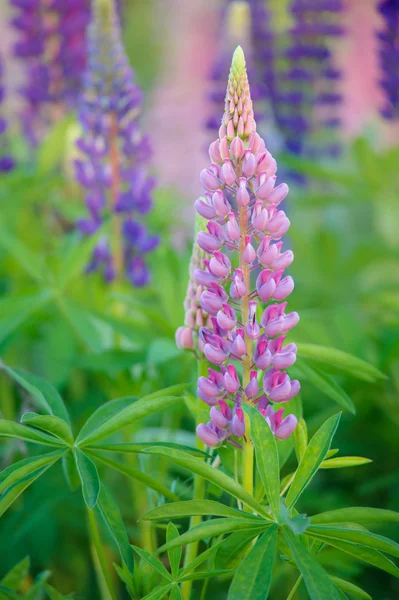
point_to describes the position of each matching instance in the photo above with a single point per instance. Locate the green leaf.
(341, 360)
(103, 414)
(19, 470)
(140, 409)
(88, 476)
(16, 490)
(198, 560)
(14, 310)
(351, 589)
(235, 547)
(70, 471)
(158, 593)
(341, 462)
(77, 258)
(175, 593)
(315, 453)
(298, 524)
(15, 577)
(326, 384)
(189, 508)
(368, 555)
(174, 554)
(28, 260)
(300, 439)
(15, 430)
(144, 446)
(358, 514)
(54, 594)
(154, 562)
(212, 528)
(355, 536)
(211, 474)
(267, 460)
(83, 324)
(110, 512)
(149, 481)
(161, 350)
(253, 577)
(7, 594)
(52, 149)
(318, 583)
(50, 424)
(198, 575)
(43, 392)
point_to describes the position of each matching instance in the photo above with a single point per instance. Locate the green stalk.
(100, 563)
(294, 589)
(198, 494)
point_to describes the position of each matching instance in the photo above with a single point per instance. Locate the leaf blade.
(89, 478)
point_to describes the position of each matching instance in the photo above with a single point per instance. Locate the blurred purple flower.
(114, 154)
(389, 57)
(6, 161)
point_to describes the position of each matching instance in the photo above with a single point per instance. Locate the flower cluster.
(389, 57)
(51, 42)
(187, 337)
(6, 161)
(112, 169)
(248, 226)
(299, 80)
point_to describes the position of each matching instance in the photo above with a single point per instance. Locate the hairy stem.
(199, 491)
(248, 450)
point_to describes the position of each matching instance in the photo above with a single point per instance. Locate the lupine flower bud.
(388, 50)
(115, 152)
(246, 231)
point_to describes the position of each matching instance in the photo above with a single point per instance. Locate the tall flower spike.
(249, 231)
(6, 161)
(389, 57)
(187, 337)
(113, 167)
(51, 43)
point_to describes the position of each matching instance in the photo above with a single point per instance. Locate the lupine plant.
(389, 41)
(238, 492)
(6, 161)
(113, 168)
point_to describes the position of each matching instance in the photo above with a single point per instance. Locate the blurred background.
(325, 79)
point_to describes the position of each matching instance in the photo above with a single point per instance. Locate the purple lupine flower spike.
(6, 161)
(51, 43)
(248, 235)
(112, 168)
(389, 57)
(196, 316)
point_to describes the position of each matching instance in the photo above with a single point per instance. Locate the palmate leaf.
(138, 475)
(137, 410)
(318, 583)
(201, 558)
(14, 310)
(103, 414)
(50, 424)
(189, 508)
(356, 514)
(267, 459)
(158, 593)
(213, 528)
(235, 547)
(211, 474)
(28, 260)
(46, 396)
(77, 257)
(315, 453)
(89, 478)
(108, 509)
(82, 323)
(253, 577)
(341, 361)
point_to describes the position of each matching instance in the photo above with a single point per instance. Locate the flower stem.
(294, 589)
(100, 564)
(198, 494)
(248, 449)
